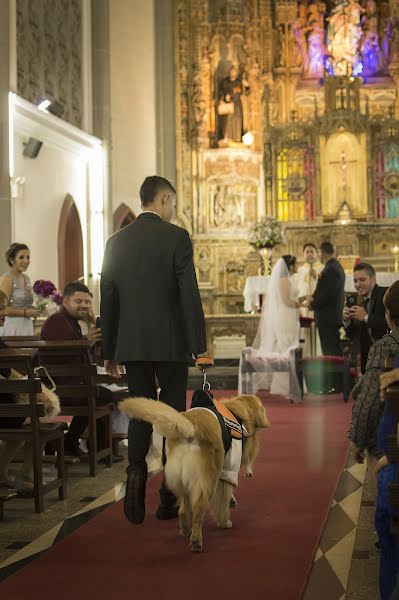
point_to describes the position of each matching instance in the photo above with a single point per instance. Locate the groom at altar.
(328, 301)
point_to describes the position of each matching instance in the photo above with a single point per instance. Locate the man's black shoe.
(164, 513)
(134, 505)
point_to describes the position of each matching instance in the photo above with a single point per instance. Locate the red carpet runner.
(267, 554)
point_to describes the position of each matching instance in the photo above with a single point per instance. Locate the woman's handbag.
(225, 108)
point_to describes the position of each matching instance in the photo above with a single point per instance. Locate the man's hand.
(112, 369)
(357, 454)
(358, 313)
(387, 378)
(347, 313)
(93, 334)
(202, 361)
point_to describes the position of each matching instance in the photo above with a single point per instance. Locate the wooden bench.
(37, 434)
(70, 360)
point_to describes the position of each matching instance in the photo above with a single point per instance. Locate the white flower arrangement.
(268, 232)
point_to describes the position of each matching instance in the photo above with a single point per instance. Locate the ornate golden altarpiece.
(318, 83)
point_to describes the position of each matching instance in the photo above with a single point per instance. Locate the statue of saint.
(316, 46)
(230, 91)
(344, 34)
(370, 47)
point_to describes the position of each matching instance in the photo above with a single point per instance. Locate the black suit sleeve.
(327, 283)
(376, 320)
(190, 300)
(109, 307)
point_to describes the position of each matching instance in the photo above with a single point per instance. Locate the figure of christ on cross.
(343, 185)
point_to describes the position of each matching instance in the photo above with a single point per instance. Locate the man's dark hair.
(309, 245)
(365, 267)
(327, 248)
(151, 186)
(75, 286)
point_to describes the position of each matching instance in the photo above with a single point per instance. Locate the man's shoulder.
(53, 323)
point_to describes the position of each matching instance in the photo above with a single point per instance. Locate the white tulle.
(270, 362)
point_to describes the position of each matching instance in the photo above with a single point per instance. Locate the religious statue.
(344, 34)
(230, 106)
(370, 47)
(315, 40)
(299, 29)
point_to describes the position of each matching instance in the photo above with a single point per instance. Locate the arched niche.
(123, 216)
(70, 244)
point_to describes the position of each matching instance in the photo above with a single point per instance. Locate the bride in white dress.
(272, 355)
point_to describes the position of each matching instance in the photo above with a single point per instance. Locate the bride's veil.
(269, 354)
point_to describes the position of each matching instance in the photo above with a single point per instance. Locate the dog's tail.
(169, 422)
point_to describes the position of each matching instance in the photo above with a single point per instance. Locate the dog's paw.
(195, 546)
(185, 532)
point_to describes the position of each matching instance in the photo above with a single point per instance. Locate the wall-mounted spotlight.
(52, 106)
(32, 147)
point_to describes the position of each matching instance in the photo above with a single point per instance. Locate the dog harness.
(232, 429)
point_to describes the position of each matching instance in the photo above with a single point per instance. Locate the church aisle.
(275, 532)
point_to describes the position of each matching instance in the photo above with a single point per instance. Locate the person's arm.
(376, 320)
(109, 306)
(367, 398)
(285, 293)
(190, 299)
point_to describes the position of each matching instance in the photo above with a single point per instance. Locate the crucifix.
(344, 174)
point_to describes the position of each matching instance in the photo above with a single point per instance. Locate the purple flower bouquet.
(46, 296)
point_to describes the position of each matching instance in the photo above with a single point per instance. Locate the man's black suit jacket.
(328, 298)
(150, 303)
(374, 329)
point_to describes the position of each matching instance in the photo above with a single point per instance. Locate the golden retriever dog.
(195, 456)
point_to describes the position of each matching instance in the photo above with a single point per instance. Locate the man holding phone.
(365, 320)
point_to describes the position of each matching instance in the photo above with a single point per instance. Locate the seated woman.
(9, 448)
(368, 408)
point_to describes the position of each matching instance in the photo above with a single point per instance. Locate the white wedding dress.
(270, 362)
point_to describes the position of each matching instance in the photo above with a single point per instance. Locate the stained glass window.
(387, 181)
(295, 185)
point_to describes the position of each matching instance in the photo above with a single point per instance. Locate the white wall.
(65, 165)
(133, 123)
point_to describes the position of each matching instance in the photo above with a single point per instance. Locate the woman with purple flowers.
(17, 287)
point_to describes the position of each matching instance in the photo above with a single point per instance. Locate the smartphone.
(98, 323)
(351, 299)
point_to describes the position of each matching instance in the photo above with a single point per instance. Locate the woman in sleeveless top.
(17, 287)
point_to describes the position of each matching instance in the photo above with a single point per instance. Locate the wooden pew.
(70, 359)
(25, 360)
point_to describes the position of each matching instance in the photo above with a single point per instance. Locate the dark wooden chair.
(37, 434)
(69, 364)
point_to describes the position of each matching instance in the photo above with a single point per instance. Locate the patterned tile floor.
(345, 565)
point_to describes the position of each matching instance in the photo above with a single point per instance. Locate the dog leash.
(204, 363)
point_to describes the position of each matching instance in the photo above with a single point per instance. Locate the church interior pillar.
(5, 192)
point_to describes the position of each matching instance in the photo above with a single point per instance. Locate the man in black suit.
(328, 301)
(152, 321)
(367, 321)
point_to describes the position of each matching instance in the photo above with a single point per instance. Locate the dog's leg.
(221, 504)
(198, 516)
(185, 516)
(251, 448)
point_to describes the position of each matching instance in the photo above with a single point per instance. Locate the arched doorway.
(70, 244)
(123, 216)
